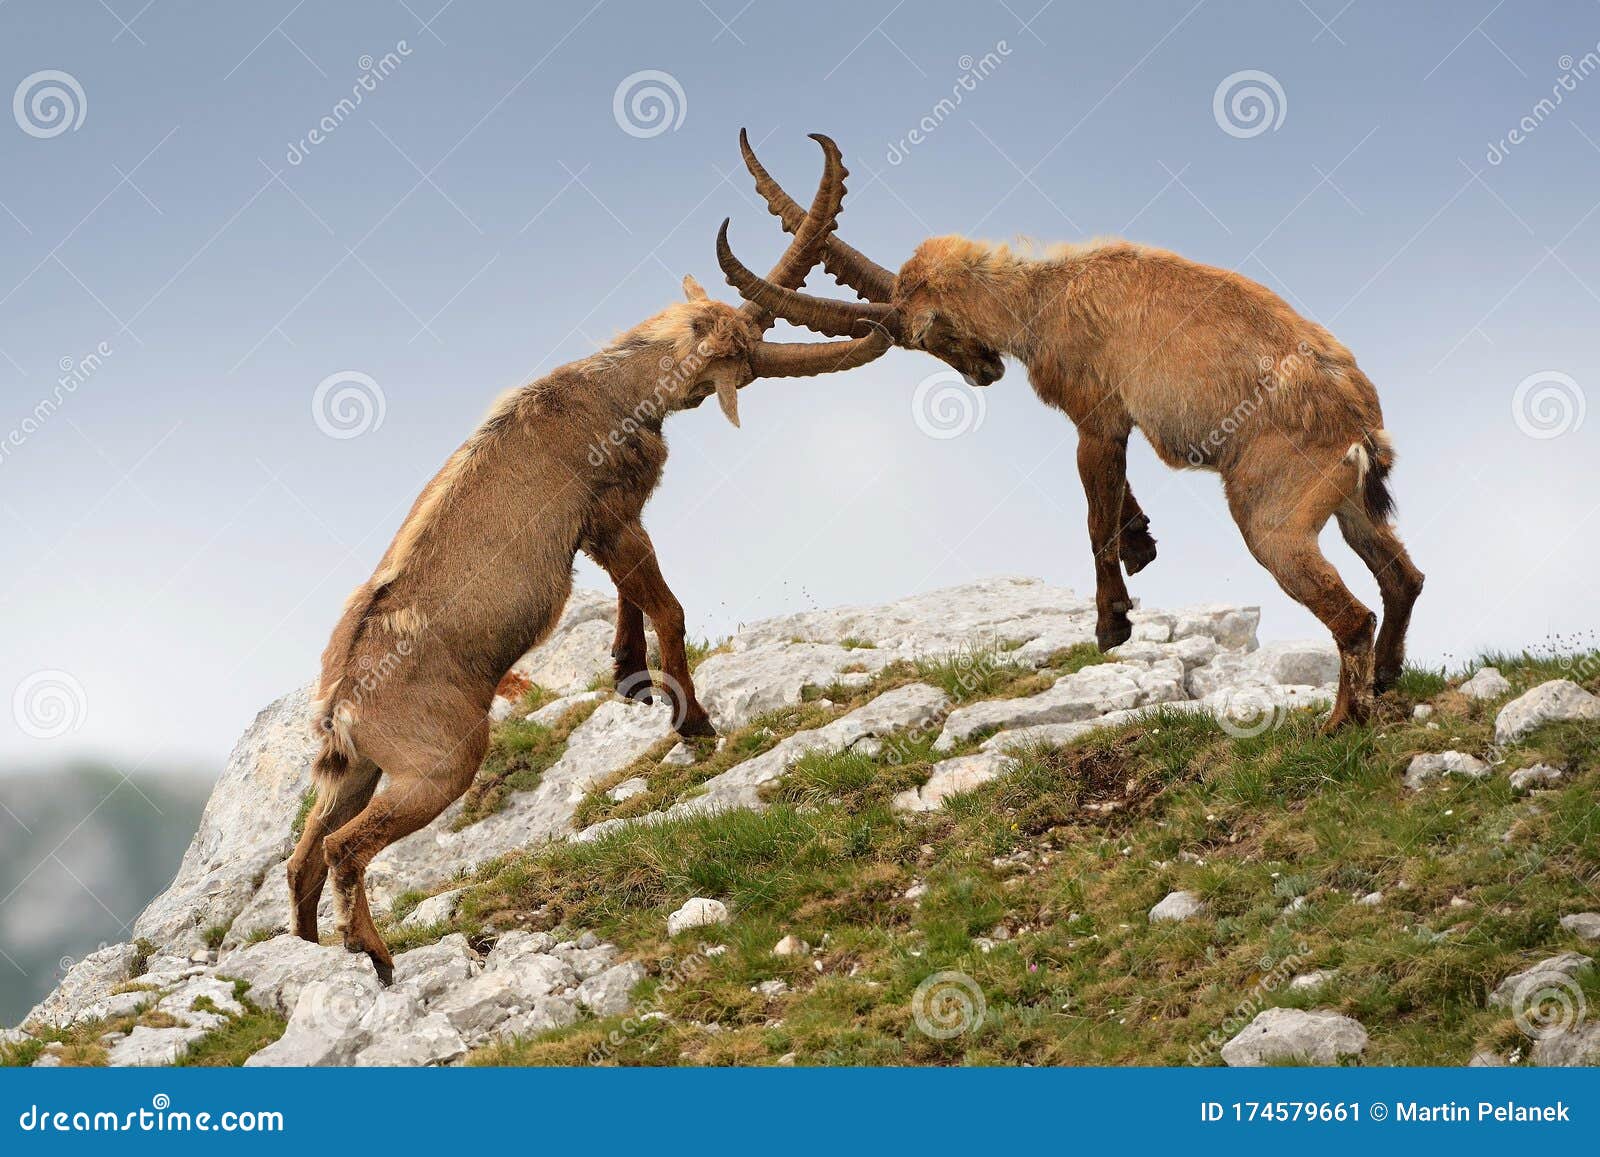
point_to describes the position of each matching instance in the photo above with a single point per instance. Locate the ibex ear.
(728, 399)
(693, 291)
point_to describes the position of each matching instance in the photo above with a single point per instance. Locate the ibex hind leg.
(340, 795)
(1399, 581)
(412, 801)
(1282, 534)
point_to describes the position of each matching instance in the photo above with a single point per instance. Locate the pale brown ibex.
(1217, 371)
(482, 566)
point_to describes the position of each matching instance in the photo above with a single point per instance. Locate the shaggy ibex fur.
(482, 567)
(1217, 371)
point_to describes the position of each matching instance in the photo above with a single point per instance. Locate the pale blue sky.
(178, 535)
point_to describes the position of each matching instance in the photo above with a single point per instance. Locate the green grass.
(1038, 885)
(519, 753)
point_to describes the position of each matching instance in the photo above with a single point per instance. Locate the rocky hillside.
(943, 830)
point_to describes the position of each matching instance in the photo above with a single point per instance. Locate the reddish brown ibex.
(1217, 371)
(482, 566)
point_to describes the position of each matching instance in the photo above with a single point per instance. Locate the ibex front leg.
(629, 652)
(629, 558)
(1135, 542)
(1102, 464)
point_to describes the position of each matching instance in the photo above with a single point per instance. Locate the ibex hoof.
(1138, 551)
(697, 728)
(1113, 633)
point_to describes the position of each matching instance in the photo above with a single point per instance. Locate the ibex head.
(723, 349)
(720, 348)
(922, 307)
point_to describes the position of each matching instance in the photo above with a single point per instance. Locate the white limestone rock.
(547, 1012)
(1558, 700)
(436, 909)
(1295, 1036)
(435, 969)
(244, 831)
(1487, 683)
(1424, 768)
(180, 1002)
(86, 983)
(1583, 925)
(478, 1007)
(697, 912)
(278, 970)
(951, 777)
(1178, 906)
(1553, 972)
(427, 1039)
(610, 993)
(144, 1047)
(328, 1025)
(553, 712)
(1311, 981)
(1577, 1045)
(913, 706)
(1538, 776)
(736, 686)
(1083, 695)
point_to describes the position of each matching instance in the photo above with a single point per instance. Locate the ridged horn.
(803, 359)
(849, 266)
(812, 233)
(824, 314)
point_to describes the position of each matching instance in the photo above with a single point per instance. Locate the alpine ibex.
(1217, 371)
(482, 566)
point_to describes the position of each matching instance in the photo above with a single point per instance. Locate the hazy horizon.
(190, 245)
